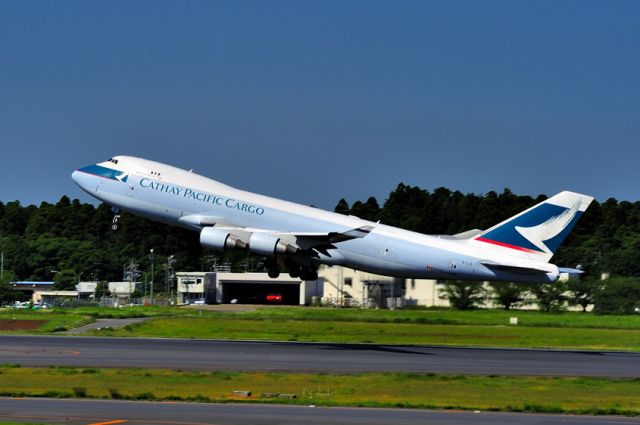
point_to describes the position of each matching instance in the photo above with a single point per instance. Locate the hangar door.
(261, 293)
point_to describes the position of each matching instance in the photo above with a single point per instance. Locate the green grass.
(383, 333)
(411, 315)
(449, 317)
(496, 393)
(480, 328)
(61, 319)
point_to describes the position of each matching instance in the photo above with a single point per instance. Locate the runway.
(308, 357)
(94, 412)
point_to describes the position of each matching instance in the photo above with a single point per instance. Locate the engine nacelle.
(210, 237)
(269, 245)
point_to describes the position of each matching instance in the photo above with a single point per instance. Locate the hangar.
(245, 288)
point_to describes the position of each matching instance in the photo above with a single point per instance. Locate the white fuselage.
(178, 197)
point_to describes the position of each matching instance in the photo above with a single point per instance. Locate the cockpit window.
(115, 161)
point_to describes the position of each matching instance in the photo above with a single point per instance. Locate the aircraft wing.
(312, 240)
(307, 240)
(302, 240)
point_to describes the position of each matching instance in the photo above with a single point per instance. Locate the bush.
(618, 296)
(549, 296)
(508, 294)
(115, 394)
(79, 392)
(464, 295)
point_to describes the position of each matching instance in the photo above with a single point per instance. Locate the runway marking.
(73, 418)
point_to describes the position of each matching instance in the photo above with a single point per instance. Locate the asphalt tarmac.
(103, 412)
(312, 357)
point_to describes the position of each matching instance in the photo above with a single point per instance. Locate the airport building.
(334, 286)
(350, 287)
(30, 287)
(244, 288)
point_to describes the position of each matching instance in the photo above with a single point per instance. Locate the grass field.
(64, 319)
(480, 328)
(533, 394)
(384, 333)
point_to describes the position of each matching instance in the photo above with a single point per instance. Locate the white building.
(123, 289)
(86, 289)
(244, 288)
(357, 288)
(51, 296)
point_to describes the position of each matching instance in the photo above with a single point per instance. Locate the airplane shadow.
(373, 347)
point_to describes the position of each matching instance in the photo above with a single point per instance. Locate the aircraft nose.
(81, 179)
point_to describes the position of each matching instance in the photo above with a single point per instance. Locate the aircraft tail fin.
(537, 233)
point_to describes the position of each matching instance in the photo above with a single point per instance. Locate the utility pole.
(1, 265)
(152, 257)
(131, 273)
(78, 286)
(169, 268)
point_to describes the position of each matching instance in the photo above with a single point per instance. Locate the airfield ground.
(488, 393)
(484, 328)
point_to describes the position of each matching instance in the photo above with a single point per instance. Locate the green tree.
(463, 295)
(368, 210)
(102, 290)
(508, 294)
(582, 292)
(65, 280)
(8, 295)
(342, 207)
(618, 296)
(549, 296)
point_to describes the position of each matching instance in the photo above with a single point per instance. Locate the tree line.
(617, 295)
(70, 241)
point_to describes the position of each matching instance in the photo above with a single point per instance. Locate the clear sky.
(314, 101)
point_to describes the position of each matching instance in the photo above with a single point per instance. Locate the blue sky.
(314, 101)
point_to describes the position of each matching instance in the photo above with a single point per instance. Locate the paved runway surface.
(239, 355)
(94, 412)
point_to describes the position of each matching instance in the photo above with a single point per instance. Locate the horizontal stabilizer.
(507, 268)
(570, 271)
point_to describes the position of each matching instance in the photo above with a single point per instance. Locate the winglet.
(359, 232)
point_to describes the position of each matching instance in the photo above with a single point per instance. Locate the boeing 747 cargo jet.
(299, 237)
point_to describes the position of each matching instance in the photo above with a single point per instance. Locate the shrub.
(618, 296)
(115, 394)
(464, 295)
(79, 391)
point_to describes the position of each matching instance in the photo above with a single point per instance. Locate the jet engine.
(220, 239)
(269, 245)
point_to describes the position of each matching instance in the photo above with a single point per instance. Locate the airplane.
(299, 237)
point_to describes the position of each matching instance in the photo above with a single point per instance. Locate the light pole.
(78, 287)
(169, 291)
(152, 257)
